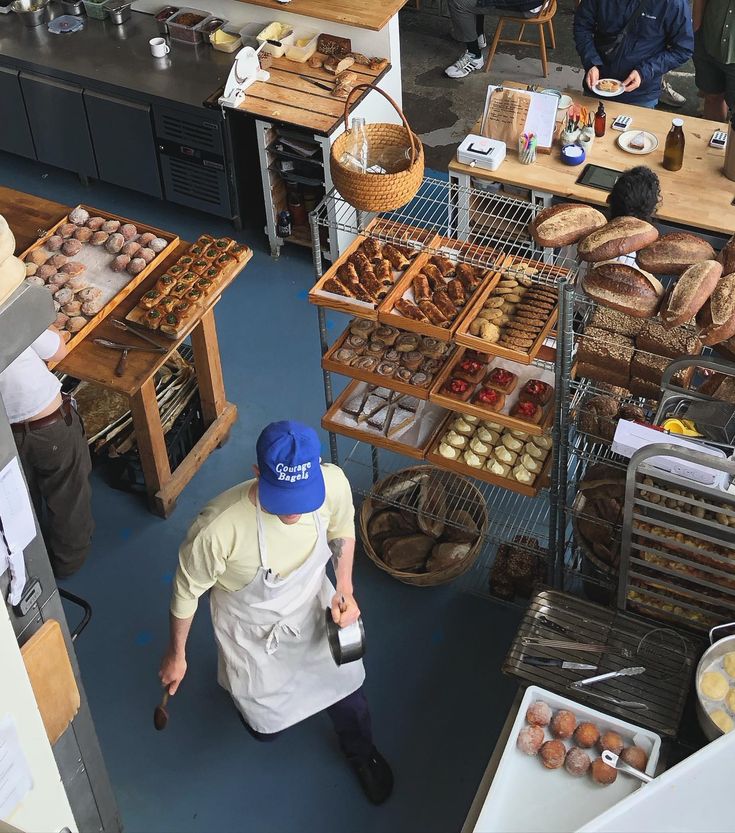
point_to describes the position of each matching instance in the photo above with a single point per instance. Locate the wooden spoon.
(160, 715)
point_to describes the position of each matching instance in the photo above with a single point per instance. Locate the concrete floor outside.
(442, 111)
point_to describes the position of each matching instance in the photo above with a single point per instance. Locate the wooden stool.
(546, 15)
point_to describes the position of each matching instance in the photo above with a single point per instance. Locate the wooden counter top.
(698, 195)
(357, 13)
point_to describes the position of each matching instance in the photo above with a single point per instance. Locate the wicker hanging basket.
(378, 192)
(473, 501)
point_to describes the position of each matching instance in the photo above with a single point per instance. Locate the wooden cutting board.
(52, 678)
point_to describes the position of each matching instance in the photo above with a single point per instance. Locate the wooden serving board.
(330, 363)
(224, 279)
(464, 337)
(387, 314)
(501, 417)
(135, 280)
(459, 467)
(431, 419)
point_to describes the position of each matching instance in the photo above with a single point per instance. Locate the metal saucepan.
(716, 650)
(346, 644)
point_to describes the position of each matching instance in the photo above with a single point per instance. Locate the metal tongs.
(621, 672)
(608, 698)
(613, 760)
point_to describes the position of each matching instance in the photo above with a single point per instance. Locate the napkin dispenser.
(481, 152)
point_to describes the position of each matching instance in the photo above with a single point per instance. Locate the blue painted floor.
(438, 699)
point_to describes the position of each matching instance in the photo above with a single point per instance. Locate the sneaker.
(375, 776)
(482, 41)
(464, 66)
(669, 96)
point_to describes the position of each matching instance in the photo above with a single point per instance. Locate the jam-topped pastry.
(490, 398)
(458, 389)
(536, 391)
(470, 369)
(501, 379)
(527, 411)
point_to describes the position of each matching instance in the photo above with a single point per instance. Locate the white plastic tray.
(524, 796)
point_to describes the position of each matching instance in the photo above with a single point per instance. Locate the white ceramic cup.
(159, 47)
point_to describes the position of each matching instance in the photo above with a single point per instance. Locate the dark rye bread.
(648, 390)
(674, 253)
(620, 236)
(616, 321)
(608, 350)
(562, 225)
(691, 292)
(602, 373)
(721, 311)
(625, 288)
(649, 368)
(654, 338)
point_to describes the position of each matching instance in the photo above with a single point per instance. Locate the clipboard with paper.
(509, 113)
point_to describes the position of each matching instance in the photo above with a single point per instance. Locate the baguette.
(674, 253)
(620, 236)
(625, 288)
(722, 312)
(692, 290)
(562, 225)
(337, 64)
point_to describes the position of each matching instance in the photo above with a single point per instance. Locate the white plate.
(605, 93)
(650, 142)
(525, 797)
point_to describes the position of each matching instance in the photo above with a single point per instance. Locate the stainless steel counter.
(116, 58)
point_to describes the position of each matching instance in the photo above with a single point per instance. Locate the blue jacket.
(661, 39)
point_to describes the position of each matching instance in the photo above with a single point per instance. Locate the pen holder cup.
(585, 141)
(569, 137)
(526, 155)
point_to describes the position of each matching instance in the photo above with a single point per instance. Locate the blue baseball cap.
(291, 480)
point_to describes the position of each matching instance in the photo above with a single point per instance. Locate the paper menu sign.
(510, 112)
(16, 780)
(16, 513)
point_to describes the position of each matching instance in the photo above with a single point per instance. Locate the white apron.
(274, 658)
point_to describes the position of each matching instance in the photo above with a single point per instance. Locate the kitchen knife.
(131, 328)
(316, 83)
(554, 662)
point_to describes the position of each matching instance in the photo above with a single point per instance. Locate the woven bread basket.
(378, 192)
(463, 489)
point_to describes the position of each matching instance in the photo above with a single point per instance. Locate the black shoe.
(375, 776)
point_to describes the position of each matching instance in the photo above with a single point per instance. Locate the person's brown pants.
(57, 466)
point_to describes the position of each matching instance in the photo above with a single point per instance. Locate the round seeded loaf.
(674, 253)
(624, 288)
(620, 236)
(562, 225)
(691, 292)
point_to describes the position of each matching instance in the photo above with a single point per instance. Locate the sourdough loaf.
(12, 273)
(721, 311)
(691, 292)
(727, 256)
(7, 241)
(673, 253)
(620, 236)
(562, 225)
(408, 552)
(625, 288)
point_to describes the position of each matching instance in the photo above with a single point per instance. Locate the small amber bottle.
(600, 120)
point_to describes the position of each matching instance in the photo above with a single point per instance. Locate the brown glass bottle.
(600, 120)
(674, 151)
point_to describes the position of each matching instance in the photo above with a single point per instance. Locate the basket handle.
(411, 138)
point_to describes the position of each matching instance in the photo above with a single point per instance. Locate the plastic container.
(96, 9)
(307, 39)
(212, 25)
(232, 46)
(185, 25)
(249, 34)
(163, 16)
(276, 31)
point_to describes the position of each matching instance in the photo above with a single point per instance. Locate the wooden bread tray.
(331, 364)
(459, 467)
(135, 280)
(464, 337)
(501, 417)
(387, 314)
(331, 422)
(351, 306)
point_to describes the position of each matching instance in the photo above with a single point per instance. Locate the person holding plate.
(635, 42)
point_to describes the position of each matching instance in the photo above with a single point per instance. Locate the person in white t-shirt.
(53, 451)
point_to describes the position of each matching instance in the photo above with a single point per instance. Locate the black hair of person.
(637, 193)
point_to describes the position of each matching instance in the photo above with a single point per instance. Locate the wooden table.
(357, 13)
(28, 217)
(698, 196)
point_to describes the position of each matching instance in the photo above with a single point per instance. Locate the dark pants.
(57, 466)
(351, 720)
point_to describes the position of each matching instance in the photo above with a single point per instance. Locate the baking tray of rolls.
(90, 261)
(383, 355)
(515, 312)
(516, 395)
(494, 453)
(434, 297)
(361, 278)
(190, 286)
(380, 416)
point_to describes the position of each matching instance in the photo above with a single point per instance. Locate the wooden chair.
(545, 16)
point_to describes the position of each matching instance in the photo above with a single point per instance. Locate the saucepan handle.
(719, 628)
